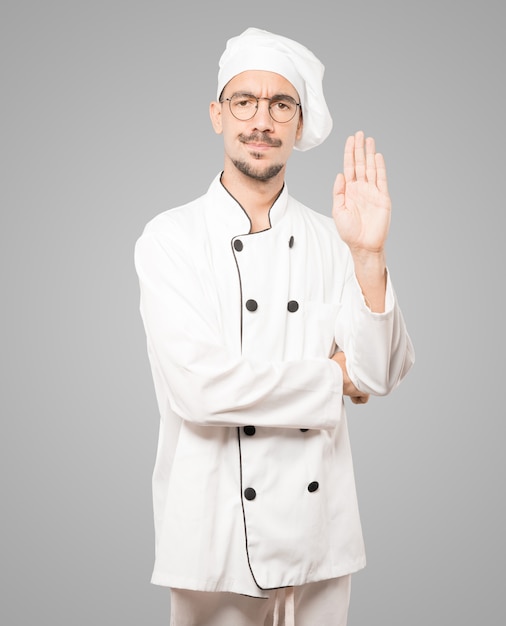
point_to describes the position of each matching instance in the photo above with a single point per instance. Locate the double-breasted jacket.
(253, 484)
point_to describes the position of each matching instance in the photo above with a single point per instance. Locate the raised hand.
(361, 203)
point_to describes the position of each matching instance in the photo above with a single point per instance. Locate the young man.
(261, 315)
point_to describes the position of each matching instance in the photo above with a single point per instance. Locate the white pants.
(323, 603)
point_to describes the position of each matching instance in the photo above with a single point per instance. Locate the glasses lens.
(243, 107)
(283, 109)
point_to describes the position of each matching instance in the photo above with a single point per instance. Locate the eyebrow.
(274, 97)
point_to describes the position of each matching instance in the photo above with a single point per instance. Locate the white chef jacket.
(253, 484)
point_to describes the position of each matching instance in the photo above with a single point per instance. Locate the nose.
(262, 120)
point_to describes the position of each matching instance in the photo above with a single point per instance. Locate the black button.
(249, 430)
(238, 245)
(250, 493)
(293, 305)
(291, 242)
(313, 486)
(304, 430)
(251, 305)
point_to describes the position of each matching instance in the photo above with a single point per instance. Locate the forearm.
(219, 390)
(371, 274)
(378, 349)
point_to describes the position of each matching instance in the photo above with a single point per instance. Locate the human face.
(259, 147)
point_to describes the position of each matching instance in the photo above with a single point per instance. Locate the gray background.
(104, 124)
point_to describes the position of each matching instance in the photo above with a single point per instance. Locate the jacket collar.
(224, 213)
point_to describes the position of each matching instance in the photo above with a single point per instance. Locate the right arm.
(203, 381)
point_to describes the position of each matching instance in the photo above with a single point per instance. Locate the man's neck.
(256, 197)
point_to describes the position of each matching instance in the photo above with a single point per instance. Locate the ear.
(215, 115)
(300, 125)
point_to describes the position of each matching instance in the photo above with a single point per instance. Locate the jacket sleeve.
(203, 381)
(379, 351)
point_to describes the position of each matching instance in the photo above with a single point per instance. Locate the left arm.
(370, 328)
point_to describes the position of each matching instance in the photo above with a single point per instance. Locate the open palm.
(361, 207)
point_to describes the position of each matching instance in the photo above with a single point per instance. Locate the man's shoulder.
(178, 221)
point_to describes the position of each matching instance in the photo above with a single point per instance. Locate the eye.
(282, 105)
(243, 102)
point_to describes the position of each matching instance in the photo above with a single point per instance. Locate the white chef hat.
(257, 49)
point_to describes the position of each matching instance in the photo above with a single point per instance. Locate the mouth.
(259, 147)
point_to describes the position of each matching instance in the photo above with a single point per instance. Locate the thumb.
(339, 184)
(338, 191)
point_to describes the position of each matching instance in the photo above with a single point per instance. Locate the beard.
(257, 173)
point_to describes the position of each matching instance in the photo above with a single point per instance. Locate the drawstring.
(289, 607)
(275, 617)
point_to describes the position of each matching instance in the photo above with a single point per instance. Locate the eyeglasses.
(244, 106)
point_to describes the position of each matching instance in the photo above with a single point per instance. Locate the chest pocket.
(319, 328)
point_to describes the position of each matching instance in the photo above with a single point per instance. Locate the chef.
(261, 315)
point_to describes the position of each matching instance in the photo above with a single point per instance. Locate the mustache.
(260, 138)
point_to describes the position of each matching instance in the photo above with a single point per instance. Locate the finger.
(370, 162)
(381, 173)
(359, 156)
(339, 184)
(349, 159)
(360, 399)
